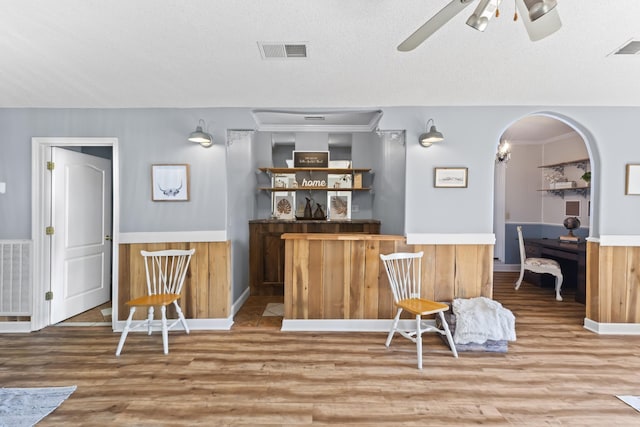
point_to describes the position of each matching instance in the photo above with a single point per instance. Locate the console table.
(573, 262)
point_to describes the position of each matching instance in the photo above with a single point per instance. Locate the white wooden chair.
(165, 274)
(538, 265)
(404, 271)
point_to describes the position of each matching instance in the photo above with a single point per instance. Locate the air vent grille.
(271, 50)
(630, 48)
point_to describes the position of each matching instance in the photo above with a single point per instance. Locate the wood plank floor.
(556, 373)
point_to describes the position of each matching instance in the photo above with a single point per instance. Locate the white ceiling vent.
(271, 50)
(632, 47)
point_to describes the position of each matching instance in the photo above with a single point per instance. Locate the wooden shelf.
(336, 171)
(286, 189)
(573, 162)
(566, 189)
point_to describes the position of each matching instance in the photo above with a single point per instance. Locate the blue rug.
(27, 406)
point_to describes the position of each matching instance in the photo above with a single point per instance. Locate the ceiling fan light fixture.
(480, 17)
(539, 8)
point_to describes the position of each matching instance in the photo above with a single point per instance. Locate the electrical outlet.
(355, 208)
(3, 187)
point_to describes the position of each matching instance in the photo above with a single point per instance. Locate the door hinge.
(51, 166)
(49, 231)
(48, 296)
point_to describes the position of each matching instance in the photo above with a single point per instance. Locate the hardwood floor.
(556, 373)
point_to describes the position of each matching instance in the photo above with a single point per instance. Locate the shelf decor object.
(633, 180)
(170, 183)
(450, 177)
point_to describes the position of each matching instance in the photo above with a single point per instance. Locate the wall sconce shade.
(428, 138)
(201, 137)
(539, 8)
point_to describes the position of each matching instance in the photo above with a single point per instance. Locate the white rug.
(633, 401)
(274, 309)
(27, 406)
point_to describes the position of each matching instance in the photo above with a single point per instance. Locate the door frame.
(41, 202)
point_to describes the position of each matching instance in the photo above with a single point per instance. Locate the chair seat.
(154, 300)
(421, 306)
(542, 262)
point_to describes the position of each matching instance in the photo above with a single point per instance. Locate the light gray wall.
(241, 166)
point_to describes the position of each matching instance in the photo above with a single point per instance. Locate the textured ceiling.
(205, 53)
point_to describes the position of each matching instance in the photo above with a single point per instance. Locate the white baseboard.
(15, 327)
(612, 328)
(346, 325)
(194, 325)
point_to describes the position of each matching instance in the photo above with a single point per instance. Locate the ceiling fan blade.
(433, 24)
(541, 27)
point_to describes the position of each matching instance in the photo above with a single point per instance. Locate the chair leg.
(447, 332)
(181, 317)
(519, 281)
(419, 340)
(394, 328)
(149, 319)
(165, 332)
(125, 331)
(558, 286)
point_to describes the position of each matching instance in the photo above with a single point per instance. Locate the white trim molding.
(612, 328)
(15, 327)
(451, 239)
(619, 240)
(221, 324)
(346, 325)
(174, 236)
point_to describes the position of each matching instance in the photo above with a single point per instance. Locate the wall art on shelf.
(450, 177)
(170, 183)
(633, 180)
(284, 205)
(339, 205)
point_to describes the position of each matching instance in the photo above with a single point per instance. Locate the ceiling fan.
(540, 19)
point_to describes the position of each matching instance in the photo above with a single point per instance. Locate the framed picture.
(450, 178)
(170, 183)
(633, 180)
(338, 205)
(572, 208)
(284, 205)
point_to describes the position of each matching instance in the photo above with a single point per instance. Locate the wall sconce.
(539, 8)
(201, 137)
(428, 138)
(504, 151)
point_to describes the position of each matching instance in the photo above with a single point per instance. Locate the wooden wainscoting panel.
(207, 287)
(633, 282)
(374, 279)
(219, 283)
(445, 273)
(593, 282)
(618, 285)
(313, 285)
(335, 259)
(355, 291)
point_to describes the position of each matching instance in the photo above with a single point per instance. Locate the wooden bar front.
(340, 276)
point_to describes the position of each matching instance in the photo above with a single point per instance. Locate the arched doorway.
(540, 183)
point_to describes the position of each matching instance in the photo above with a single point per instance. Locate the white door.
(81, 243)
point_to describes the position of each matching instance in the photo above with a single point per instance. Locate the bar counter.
(336, 281)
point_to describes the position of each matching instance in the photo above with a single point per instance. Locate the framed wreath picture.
(339, 205)
(170, 183)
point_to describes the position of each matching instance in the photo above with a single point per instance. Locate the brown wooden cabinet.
(266, 248)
